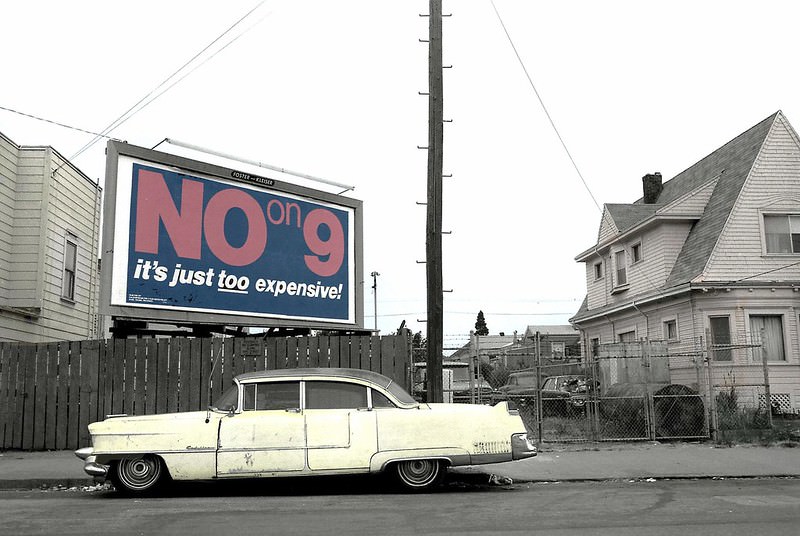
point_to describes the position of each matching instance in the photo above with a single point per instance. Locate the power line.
(541, 102)
(64, 125)
(136, 108)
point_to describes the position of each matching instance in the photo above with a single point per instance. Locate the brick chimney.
(651, 185)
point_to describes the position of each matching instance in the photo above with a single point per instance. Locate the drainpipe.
(646, 320)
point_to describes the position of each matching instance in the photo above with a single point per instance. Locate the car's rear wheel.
(139, 476)
(419, 475)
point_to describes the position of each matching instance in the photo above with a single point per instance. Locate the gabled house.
(554, 342)
(486, 347)
(708, 259)
(49, 233)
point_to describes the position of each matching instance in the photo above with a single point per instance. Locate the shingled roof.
(732, 164)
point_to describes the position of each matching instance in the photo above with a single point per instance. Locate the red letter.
(333, 247)
(214, 226)
(154, 203)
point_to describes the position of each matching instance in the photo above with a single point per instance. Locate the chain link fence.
(645, 390)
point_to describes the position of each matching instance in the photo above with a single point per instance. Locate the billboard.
(191, 242)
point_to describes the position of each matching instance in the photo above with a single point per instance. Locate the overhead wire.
(52, 122)
(136, 108)
(546, 112)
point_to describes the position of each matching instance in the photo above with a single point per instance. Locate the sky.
(556, 109)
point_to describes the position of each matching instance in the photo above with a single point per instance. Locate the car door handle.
(293, 410)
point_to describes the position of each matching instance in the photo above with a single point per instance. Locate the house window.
(70, 263)
(671, 330)
(636, 253)
(558, 350)
(627, 336)
(720, 338)
(622, 274)
(782, 233)
(772, 341)
(595, 347)
(598, 270)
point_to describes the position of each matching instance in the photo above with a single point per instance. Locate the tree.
(480, 325)
(419, 346)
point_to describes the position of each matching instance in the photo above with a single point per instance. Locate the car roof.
(350, 373)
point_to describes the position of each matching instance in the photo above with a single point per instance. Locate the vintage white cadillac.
(320, 421)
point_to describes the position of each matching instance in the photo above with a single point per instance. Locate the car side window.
(271, 396)
(335, 395)
(380, 400)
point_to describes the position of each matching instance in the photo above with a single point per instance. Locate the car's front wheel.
(139, 476)
(419, 475)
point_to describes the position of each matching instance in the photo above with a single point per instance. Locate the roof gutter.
(675, 291)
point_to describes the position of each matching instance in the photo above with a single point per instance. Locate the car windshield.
(229, 399)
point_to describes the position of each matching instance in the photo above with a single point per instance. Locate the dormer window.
(636, 253)
(782, 233)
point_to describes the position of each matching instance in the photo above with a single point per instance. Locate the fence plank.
(161, 392)
(40, 397)
(313, 351)
(129, 377)
(342, 345)
(89, 366)
(173, 381)
(334, 352)
(74, 394)
(103, 375)
(28, 356)
(151, 376)
(6, 393)
(62, 412)
(51, 396)
(14, 398)
(197, 359)
(206, 363)
(118, 377)
(228, 366)
(215, 374)
(185, 369)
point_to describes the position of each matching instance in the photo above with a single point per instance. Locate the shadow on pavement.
(311, 486)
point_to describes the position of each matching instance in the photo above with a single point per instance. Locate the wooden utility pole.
(434, 219)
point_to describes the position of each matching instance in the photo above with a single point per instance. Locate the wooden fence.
(49, 393)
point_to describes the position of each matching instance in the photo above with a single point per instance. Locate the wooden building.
(49, 232)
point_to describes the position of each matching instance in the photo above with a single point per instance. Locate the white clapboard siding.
(773, 184)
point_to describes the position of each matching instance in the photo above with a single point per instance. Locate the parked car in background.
(477, 391)
(300, 422)
(561, 395)
(577, 385)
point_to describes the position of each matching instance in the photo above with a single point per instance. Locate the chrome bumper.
(522, 447)
(92, 468)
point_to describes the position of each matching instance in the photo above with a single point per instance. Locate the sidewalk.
(29, 470)
(649, 460)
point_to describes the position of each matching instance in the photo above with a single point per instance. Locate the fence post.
(539, 412)
(712, 406)
(698, 357)
(765, 368)
(650, 412)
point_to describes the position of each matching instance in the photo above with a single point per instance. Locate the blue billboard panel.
(190, 242)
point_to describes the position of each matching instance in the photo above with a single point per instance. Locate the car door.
(340, 426)
(267, 436)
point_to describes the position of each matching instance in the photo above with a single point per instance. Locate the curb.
(45, 483)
